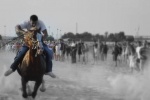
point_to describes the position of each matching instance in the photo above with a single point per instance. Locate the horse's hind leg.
(36, 86)
(24, 92)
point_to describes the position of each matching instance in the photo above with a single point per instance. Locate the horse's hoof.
(24, 95)
(42, 89)
(29, 93)
(29, 98)
(33, 95)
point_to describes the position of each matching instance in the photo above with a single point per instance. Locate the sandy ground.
(101, 81)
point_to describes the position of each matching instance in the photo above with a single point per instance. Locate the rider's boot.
(49, 57)
(49, 69)
(12, 68)
(51, 74)
(17, 60)
(8, 72)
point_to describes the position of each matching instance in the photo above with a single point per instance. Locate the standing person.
(120, 52)
(104, 51)
(73, 51)
(68, 50)
(57, 52)
(132, 57)
(139, 57)
(62, 50)
(95, 51)
(20, 30)
(145, 54)
(101, 51)
(127, 51)
(86, 52)
(54, 50)
(83, 52)
(79, 48)
(115, 53)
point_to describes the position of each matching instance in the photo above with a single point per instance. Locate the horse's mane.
(28, 38)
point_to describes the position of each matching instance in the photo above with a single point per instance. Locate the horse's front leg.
(24, 92)
(36, 86)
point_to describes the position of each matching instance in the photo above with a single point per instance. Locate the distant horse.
(33, 65)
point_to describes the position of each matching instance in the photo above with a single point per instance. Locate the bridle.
(34, 42)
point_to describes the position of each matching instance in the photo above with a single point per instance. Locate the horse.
(33, 65)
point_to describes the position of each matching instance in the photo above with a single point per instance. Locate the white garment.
(73, 44)
(126, 50)
(27, 25)
(138, 52)
(95, 51)
(132, 61)
(57, 50)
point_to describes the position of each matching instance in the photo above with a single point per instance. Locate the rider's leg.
(49, 57)
(17, 60)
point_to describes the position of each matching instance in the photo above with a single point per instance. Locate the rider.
(33, 22)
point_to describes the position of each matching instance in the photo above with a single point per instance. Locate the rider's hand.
(23, 32)
(40, 51)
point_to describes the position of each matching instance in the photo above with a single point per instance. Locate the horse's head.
(30, 39)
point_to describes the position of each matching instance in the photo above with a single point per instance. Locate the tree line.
(86, 36)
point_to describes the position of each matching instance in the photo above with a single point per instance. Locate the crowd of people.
(135, 54)
(66, 50)
(13, 47)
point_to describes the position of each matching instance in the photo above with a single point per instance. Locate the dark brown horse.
(33, 65)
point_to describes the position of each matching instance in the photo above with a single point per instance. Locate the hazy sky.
(95, 16)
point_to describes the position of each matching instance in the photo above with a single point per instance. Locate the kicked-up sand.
(101, 81)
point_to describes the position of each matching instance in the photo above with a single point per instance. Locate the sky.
(94, 16)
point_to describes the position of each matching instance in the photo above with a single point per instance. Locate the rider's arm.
(43, 30)
(19, 30)
(45, 34)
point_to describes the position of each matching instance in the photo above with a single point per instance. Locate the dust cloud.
(98, 82)
(8, 85)
(132, 86)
